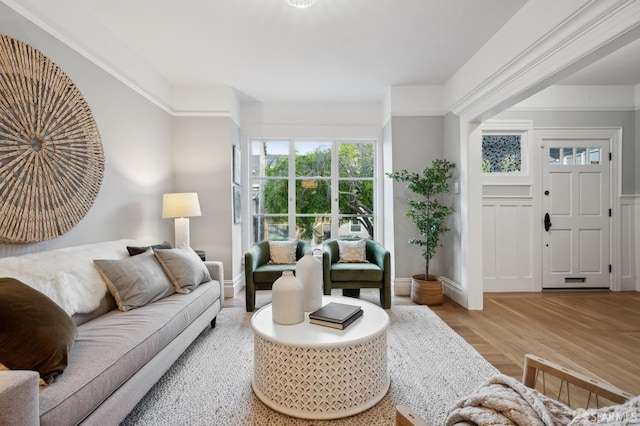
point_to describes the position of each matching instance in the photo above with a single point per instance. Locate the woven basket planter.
(426, 292)
(51, 157)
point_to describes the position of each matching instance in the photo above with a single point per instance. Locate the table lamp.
(181, 206)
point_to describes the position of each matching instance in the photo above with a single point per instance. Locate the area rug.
(430, 367)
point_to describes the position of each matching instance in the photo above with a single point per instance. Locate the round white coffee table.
(315, 372)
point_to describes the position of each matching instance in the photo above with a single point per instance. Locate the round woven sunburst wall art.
(51, 157)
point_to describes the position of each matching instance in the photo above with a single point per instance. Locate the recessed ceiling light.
(301, 4)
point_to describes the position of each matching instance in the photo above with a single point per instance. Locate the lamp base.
(182, 231)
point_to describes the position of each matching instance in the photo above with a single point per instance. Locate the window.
(501, 154)
(574, 156)
(313, 190)
(506, 152)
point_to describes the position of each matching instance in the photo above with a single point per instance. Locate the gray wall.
(388, 195)
(416, 142)
(625, 119)
(637, 152)
(136, 136)
(449, 256)
(202, 164)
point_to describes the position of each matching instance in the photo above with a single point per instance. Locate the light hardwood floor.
(596, 333)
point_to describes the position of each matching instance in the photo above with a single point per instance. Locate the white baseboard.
(402, 286)
(233, 287)
(628, 284)
(452, 290)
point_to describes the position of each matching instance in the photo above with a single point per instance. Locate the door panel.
(590, 194)
(590, 243)
(560, 248)
(561, 187)
(576, 188)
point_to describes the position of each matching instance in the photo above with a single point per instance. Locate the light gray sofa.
(117, 356)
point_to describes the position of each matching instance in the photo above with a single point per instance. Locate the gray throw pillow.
(184, 268)
(135, 281)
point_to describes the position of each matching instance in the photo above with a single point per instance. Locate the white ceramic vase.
(287, 298)
(309, 273)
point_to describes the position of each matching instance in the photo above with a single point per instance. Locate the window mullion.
(292, 190)
(335, 225)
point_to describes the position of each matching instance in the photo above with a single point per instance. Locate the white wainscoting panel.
(508, 262)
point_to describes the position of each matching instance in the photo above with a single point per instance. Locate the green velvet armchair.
(351, 277)
(260, 274)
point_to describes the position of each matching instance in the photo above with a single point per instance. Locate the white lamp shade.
(180, 204)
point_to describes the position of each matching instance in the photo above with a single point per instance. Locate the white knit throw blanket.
(503, 400)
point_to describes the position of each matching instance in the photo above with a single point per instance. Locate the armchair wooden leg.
(250, 300)
(351, 292)
(385, 298)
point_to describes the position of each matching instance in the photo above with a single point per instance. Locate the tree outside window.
(300, 178)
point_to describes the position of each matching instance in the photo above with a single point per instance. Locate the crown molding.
(78, 30)
(582, 98)
(592, 30)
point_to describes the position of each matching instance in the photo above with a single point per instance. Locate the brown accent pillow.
(135, 250)
(35, 333)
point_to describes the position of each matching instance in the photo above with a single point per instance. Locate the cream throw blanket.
(502, 400)
(67, 275)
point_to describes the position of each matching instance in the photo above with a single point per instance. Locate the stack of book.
(335, 315)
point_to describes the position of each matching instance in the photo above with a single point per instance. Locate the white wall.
(388, 205)
(136, 136)
(311, 120)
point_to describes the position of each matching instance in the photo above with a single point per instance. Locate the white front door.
(576, 210)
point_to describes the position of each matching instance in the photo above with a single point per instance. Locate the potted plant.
(428, 214)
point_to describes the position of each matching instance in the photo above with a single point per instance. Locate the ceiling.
(621, 67)
(334, 51)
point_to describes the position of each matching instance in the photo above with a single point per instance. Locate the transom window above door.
(312, 190)
(576, 156)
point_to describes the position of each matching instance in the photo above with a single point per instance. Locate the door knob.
(547, 222)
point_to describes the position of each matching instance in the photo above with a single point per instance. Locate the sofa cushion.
(352, 251)
(135, 281)
(136, 250)
(35, 333)
(282, 252)
(356, 272)
(184, 268)
(269, 273)
(110, 349)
